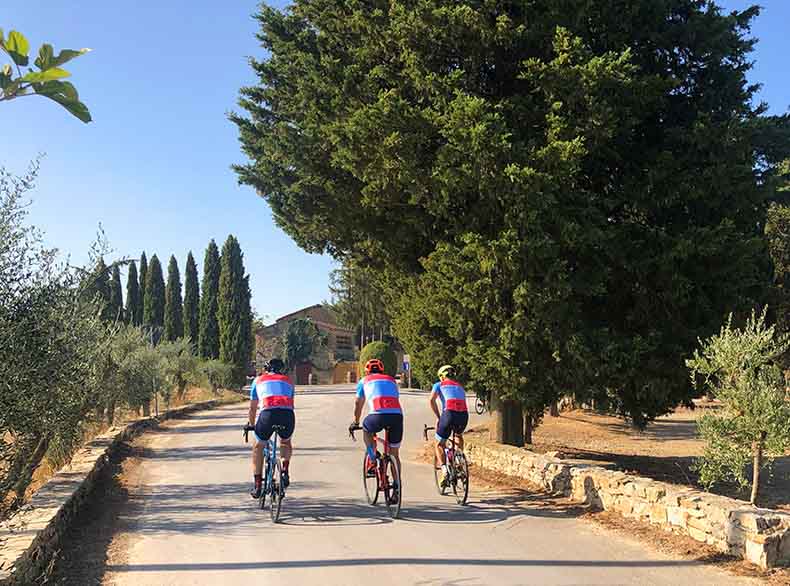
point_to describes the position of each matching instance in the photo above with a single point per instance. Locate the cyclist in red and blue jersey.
(271, 403)
(380, 391)
(453, 416)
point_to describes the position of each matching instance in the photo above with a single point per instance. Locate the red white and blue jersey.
(272, 391)
(381, 393)
(452, 395)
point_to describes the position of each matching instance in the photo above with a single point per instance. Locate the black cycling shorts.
(270, 417)
(451, 421)
(391, 422)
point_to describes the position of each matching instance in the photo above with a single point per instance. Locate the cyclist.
(453, 416)
(271, 403)
(384, 412)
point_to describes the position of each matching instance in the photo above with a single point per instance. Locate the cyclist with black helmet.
(271, 403)
(380, 391)
(452, 417)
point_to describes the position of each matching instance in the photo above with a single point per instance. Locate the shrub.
(383, 352)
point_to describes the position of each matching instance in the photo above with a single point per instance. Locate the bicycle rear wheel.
(371, 483)
(461, 478)
(392, 496)
(437, 474)
(276, 500)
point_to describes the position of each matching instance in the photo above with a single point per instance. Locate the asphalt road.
(193, 522)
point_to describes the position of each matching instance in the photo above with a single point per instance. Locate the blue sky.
(154, 166)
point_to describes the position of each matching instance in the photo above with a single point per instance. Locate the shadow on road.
(405, 561)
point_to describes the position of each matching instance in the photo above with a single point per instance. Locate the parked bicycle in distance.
(273, 485)
(457, 469)
(385, 476)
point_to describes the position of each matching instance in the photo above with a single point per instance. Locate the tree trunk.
(507, 422)
(146, 408)
(757, 451)
(24, 447)
(528, 427)
(111, 412)
(27, 474)
(554, 411)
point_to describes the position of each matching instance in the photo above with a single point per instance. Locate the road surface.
(190, 520)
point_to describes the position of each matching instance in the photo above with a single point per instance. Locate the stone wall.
(30, 539)
(761, 536)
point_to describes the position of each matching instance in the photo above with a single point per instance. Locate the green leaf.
(51, 74)
(45, 55)
(5, 76)
(66, 95)
(17, 47)
(67, 55)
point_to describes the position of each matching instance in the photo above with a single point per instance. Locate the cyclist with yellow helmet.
(453, 416)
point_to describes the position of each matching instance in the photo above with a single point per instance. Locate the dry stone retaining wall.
(30, 539)
(761, 536)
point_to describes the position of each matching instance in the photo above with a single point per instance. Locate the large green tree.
(154, 303)
(174, 317)
(208, 336)
(133, 302)
(191, 301)
(590, 179)
(233, 308)
(116, 294)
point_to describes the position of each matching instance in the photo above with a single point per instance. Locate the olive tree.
(741, 367)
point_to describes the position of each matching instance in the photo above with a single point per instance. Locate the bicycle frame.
(270, 455)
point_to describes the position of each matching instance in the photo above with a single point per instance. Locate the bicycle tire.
(480, 406)
(461, 475)
(437, 475)
(368, 482)
(276, 500)
(391, 469)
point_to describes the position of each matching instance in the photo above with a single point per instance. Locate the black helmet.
(275, 365)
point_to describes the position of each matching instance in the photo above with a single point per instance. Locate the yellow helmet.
(446, 371)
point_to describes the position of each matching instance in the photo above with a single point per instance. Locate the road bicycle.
(382, 477)
(481, 403)
(457, 469)
(273, 484)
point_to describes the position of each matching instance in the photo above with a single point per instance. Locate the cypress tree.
(143, 280)
(233, 323)
(208, 336)
(191, 301)
(98, 289)
(116, 295)
(174, 318)
(133, 305)
(154, 303)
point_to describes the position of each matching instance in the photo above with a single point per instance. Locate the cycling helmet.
(446, 371)
(275, 366)
(374, 365)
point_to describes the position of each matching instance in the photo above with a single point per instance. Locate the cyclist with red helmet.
(453, 416)
(380, 391)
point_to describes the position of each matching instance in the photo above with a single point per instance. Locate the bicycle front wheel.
(461, 479)
(393, 489)
(276, 499)
(371, 483)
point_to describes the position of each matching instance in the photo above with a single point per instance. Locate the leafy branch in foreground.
(46, 79)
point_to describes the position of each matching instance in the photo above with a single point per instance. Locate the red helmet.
(374, 365)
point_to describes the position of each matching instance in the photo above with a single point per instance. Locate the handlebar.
(425, 430)
(352, 429)
(247, 429)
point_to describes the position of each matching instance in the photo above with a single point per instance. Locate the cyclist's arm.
(433, 401)
(359, 403)
(253, 404)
